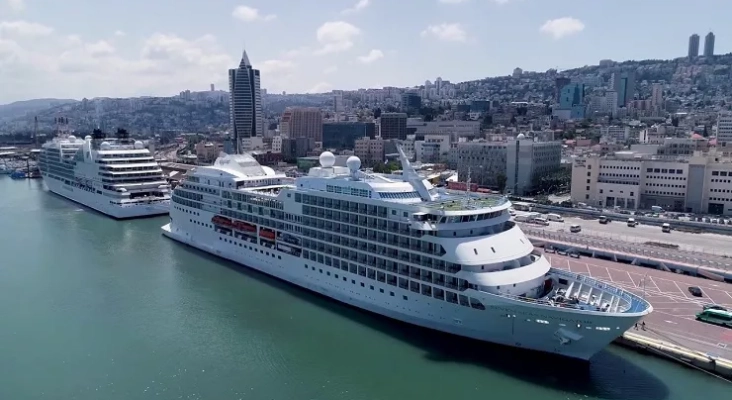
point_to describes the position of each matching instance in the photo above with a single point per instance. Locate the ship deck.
(673, 319)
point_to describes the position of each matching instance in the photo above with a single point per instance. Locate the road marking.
(680, 290)
(671, 322)
(631, 278)
(654, 283)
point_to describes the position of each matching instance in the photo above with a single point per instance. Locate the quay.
(671, 330)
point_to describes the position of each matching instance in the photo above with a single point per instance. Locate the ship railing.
(607, 288)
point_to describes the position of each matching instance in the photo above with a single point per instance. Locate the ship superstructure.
(116, 176)
(399, 247)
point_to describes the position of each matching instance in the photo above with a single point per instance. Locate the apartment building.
(701, 183)
(370, 151)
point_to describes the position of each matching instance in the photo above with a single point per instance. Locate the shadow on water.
(607, 376)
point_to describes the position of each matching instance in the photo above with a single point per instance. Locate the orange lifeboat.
(243, 226)
(267, 234)
(221, 221)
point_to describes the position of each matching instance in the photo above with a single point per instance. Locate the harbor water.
(94, 308)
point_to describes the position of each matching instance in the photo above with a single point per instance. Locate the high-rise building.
(245, 104)
(624, 85)
(709, 45)
(724, 129)
(657, 95)
(411, 102)
(560, 83)
(393, 126)
(343, 135)
(694, 46)
(306, 122)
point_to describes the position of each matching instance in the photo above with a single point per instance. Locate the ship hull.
(503, 321)
(102, 203)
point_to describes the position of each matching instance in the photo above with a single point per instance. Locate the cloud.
(320, 87)
(119, 33)
(373, 55)
(357, 7)
(330, 70)
(296, 52)
(562, 27)
(17, 5)
(336, 36)
(452, 1)
(24, 28)
(249, 14)
(446, 32)
(68, 67)
(275, 67)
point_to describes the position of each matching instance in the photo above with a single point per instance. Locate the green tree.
(501, 180)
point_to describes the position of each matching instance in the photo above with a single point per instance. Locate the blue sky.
(89, 48)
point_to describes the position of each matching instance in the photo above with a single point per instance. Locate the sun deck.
(461, 201)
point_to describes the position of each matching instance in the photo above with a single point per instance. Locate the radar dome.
(105, 146)
(87, 137)
(327, 159)
(72, 138)
(139, 145)
(520, 136)
(353, 163)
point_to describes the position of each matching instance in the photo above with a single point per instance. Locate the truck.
(666, 228)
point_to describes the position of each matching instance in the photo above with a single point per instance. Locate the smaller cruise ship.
(116, 176)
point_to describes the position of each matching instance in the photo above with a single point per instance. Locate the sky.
(126, 48)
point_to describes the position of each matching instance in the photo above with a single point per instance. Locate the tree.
(501, 180)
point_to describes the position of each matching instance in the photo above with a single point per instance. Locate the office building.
(411, 103)
(624, 85)
(343, 135)
(696, 184)
(393, 126)
(306, 122)
(657, 95)
(527, 161)
(571, 102)
(709, 45)
(370, 151)
(560, 83)
(724, 130)
(694, 46)
(245, 103)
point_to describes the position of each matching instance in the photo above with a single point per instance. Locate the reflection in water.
(607, 376)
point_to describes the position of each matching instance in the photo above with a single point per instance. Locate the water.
(94, 308)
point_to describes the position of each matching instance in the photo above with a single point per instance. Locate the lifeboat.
(221, 221)
(267, 234)
(243, 226)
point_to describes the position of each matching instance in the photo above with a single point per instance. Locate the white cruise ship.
(396, 246)
(115, 176)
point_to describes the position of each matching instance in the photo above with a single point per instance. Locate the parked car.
(574, 254)
(695, 291)
(714, 307)
(575, 229)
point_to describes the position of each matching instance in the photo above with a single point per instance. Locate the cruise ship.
(397, 246)
(115, 176)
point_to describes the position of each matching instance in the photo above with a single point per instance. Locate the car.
(695, 291)
(549, 249)
(714, 307)
(574, 254)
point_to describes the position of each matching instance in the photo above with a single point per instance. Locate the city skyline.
(48, 50)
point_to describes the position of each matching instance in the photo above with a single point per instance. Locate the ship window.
(476, 251)
(391, 294)
(371, 287)
(381, 290)
(353, 281)
(404, 297)
(362, 285)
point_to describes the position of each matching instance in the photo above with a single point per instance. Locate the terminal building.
(701, 183)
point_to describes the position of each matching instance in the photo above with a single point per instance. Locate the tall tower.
(245, 105)
(709, 45)
(694, 46)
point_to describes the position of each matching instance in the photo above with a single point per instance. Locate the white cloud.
(24, 28)
(119, 33)
(330, 70)
(562, 27)
(357, 7)
(66, 66)
(336, 36)
(446, 32)
(320, 87)
(249, 14)
(373, 55)
(275, 67)
(296, 52)
(17, 5)
(100, 49)
(452, 1)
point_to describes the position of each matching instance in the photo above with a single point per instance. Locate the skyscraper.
(624, 85)
(306, 122)
(694, 46)
(245, 105)
(709, 45)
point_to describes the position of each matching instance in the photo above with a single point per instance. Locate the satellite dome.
(353, 163)
(105, 146)
(87, 137)
(327, 159)
(139, 145)
(72, 138)
(520, 136)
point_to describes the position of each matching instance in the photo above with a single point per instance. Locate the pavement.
(709, 243)
(673, 319)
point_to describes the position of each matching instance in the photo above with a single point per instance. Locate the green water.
(94, 308)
